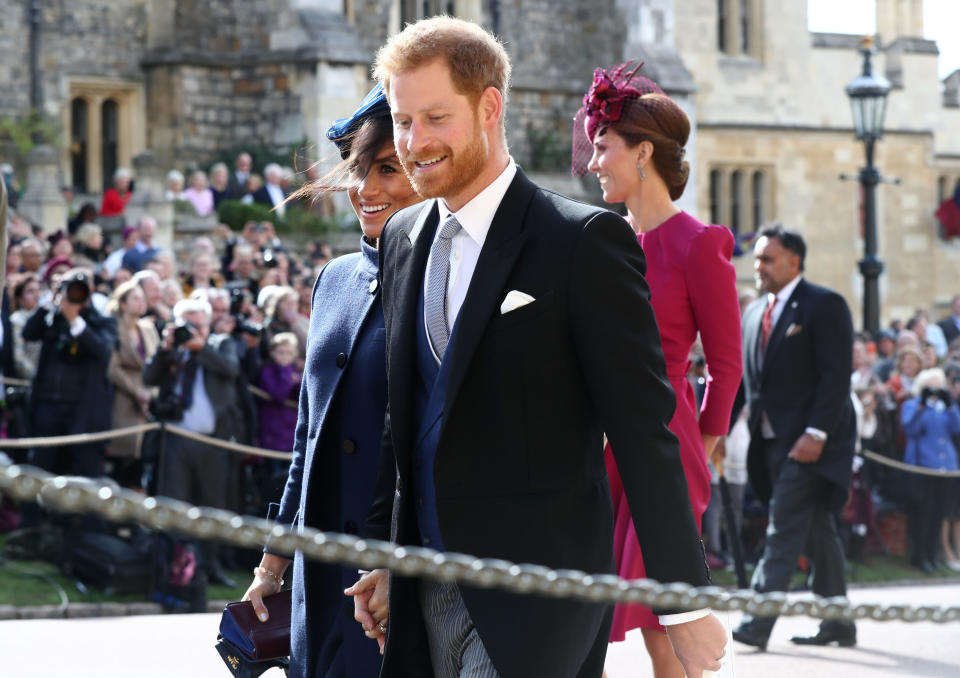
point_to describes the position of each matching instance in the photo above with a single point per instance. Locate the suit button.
(350, 527)
(349, 446)
(373, 286)
(426, 541)
(348, 610)
(341, 360)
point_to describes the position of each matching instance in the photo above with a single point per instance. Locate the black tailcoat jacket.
(519, 469)
(802, 380)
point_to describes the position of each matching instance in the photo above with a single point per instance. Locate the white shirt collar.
(476, 216)
(786, 291)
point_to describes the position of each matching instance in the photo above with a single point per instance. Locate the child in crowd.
(280, 378)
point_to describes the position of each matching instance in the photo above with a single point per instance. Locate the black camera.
(183, 332)
(244, 326)
(75, 287)
(167, 408)
(270, 259)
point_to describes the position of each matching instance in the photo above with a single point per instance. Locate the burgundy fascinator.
(602, 105)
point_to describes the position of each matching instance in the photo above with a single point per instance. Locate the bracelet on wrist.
(264, 572)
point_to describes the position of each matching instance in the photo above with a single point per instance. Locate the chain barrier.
(84, 495)
(81, 438)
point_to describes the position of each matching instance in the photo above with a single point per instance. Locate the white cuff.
(77, 326)
(816, 433)
(683, 617)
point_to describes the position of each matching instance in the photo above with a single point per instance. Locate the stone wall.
(194, 110)
(101, 37)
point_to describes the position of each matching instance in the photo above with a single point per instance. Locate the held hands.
(806, 450)
(699, 644)
(370, 604)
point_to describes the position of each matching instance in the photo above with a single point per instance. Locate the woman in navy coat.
(343, 398)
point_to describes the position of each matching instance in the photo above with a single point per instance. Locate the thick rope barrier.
(82, 438)
(909, 468)
(84, 495)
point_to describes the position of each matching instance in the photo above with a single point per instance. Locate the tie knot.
(450, 228)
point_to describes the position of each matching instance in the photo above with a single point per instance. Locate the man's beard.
(462, 168)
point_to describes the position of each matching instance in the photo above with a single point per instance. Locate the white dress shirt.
(782, 296)
(475, 218)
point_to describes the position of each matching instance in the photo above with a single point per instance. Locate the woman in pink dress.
(634, 137)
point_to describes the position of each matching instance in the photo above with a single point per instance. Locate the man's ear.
(490, 108)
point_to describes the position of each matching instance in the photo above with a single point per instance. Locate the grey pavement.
(164, 646)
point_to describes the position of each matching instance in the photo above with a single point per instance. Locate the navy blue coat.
(331, 481)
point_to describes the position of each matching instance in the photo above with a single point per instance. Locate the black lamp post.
(868, 100)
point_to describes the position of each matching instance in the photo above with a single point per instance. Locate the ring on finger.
(382, 627)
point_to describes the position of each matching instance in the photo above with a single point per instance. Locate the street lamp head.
(868, 97)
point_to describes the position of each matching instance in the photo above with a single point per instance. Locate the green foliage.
(235, 213)
(299, 220)
(29, 130)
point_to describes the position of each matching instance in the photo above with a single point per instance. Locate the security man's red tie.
(766, 324)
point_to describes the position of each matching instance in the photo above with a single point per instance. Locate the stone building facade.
(775, 134)
(187, 79)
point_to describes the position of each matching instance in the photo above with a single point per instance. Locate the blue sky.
(940, 19)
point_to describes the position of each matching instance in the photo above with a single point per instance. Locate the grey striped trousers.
(455, 648)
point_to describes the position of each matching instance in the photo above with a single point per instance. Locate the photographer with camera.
(70, 392)
(197, 374)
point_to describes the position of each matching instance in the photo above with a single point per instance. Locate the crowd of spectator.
(115, 334)
(906, 382)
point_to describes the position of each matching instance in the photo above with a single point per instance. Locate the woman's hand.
(709, 442)
(265, 585)
(371, 604)
(718, 453)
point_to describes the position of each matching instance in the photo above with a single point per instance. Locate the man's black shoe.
(749, 636)
(844, 637)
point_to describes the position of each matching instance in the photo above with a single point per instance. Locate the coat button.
(350, 527)
(349, 446)
(426, 541)
(373, 286)
(341, 360)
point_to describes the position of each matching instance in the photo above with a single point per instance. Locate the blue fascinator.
(341, 131)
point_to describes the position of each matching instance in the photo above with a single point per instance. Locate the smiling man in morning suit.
(519, 330)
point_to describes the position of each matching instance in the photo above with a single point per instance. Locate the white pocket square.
(514, 300)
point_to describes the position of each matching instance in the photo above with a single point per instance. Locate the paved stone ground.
(163, 646)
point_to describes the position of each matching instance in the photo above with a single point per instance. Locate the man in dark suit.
(271, 193)
(951, 324)
(798, 352)
(237, 180)
(519, 330)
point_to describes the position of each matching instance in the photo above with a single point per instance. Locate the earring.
(643, 175)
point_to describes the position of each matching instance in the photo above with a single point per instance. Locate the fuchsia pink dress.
(693, 289)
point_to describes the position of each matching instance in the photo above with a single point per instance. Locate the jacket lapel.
(791, 311)
(413, 247)
(503, 245)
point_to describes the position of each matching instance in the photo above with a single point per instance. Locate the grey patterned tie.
(438, 274)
